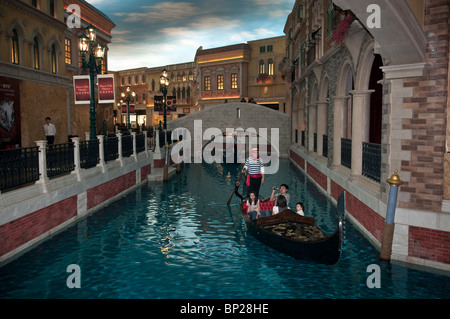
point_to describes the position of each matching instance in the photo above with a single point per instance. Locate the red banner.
(81, 86)
(105, 88)
(124, 109)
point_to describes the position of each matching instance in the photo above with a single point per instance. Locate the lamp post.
(92, 53)
(127, 98)
(164, 85)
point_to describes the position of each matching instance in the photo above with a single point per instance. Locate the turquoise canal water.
(179, 240)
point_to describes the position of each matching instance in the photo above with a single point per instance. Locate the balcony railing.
(325, 145)
(23, 165)
(315, 142)
(346, 152)
(371, 161)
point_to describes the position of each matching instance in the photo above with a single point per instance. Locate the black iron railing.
(111, 147)
(60, 159)
(346, 152)
(18, 167)
(127, 145)
(140, 143)
(89, 153)
(371, 161)
(325, 145)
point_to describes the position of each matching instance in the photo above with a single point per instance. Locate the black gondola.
(297, 236)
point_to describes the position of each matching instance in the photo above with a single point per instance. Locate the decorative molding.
(29, 74)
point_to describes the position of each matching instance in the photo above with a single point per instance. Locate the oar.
(240, 176)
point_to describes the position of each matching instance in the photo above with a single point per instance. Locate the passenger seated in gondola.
(264, 203)
(280, 205)
(299, 206)
(253, 209)
(283, 191)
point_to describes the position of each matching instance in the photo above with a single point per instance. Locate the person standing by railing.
(49, 131)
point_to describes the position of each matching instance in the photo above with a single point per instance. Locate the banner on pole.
(81, 86)
(106, 88)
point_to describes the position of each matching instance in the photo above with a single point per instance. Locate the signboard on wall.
(9, 112)
(171, 105)
(81, 86)
(106, 88)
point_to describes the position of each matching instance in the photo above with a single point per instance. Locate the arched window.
(53, 59)
(191, 76)
(178, 93)
(183, 93)
(188, 92)
(36, 63)
(270, 67)
(15, 47)
(261, 67)
(144, 78)
(136, 79)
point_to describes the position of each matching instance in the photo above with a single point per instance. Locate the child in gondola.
(299, 206)
(253, 208)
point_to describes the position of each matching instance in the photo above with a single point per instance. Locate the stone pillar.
(133, 134)
(42, 156)
(101, 152)
(119, 147)
(360, 128)
(76, 157)
(322, 119)
(339, 127)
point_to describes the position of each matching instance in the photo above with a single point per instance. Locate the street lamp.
(164, 81)
(92, 53)
(127, 98)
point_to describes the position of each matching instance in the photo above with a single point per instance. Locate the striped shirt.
(254, 167)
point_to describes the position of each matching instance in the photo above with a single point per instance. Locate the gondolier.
(255, 172)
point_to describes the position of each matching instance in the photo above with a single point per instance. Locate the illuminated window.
(68, 49)
(191, 76)
(15, 47)
(207, 83)
(220, 82)
(261, 67)
(36, 63)
(54, 61)
(183, 76)
(234, 81)
(270, 67)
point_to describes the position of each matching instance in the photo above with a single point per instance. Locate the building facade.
(368, 91)
(38, 57)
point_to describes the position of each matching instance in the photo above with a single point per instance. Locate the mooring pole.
(166, 162)
(388, 230)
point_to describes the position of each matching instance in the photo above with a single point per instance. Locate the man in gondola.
(255, 172)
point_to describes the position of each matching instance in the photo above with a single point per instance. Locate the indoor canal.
(180, 240)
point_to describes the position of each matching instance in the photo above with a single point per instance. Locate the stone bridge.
(271, 127)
